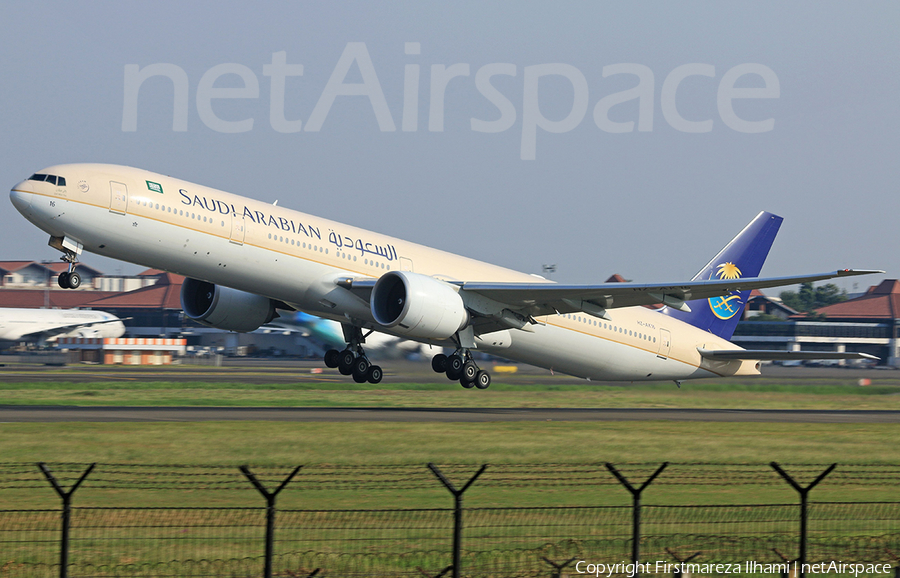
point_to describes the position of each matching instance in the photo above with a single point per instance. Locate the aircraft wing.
(505, 305)
(548, 298)
(774, 355)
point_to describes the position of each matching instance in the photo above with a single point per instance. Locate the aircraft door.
(118, 198)
(406, 264)
(665, 343)
(238, 229)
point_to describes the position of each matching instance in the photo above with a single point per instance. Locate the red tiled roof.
(53, 266)
(617, 279)
(880, 302)
(63, 299)
(166, 294)
(16, 265)
(171, 279)
(60, 267)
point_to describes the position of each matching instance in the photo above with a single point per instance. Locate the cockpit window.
(58, 181)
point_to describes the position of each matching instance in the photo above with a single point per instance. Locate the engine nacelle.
(225, 308)
(418, 306)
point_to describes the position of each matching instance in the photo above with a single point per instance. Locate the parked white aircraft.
(41, 325)
(243, 258)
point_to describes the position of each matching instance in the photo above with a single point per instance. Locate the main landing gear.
(460, 366)
(353, 361)
(69, 279)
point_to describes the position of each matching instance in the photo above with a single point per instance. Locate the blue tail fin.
(742, 257)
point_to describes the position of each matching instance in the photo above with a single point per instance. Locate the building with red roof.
(34, 274)
(869, 324)
(880, 303)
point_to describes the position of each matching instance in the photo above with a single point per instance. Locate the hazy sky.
(511, 146)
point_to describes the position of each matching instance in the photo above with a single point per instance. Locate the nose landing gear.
(69, 279)
(460, 366)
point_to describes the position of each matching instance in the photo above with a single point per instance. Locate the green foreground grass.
(798, 394)
(268, 445)
(273, 448)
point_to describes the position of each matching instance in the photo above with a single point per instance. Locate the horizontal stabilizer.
(775, 355)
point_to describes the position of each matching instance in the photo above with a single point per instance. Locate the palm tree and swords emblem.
(726, 307)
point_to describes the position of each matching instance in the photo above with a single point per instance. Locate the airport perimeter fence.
(258, 537)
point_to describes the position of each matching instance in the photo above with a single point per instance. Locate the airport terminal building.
(869, 324)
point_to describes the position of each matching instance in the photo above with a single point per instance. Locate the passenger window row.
(611, 327)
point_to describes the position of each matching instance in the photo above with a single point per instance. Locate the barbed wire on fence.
(498, 541)
(413, 477)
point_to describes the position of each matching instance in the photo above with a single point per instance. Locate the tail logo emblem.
(728, 306)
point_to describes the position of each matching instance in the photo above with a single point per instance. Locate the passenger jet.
(244, 258)
(42, 325)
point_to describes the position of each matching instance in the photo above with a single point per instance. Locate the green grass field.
(269, 444)
(271, 448)
(197, 386)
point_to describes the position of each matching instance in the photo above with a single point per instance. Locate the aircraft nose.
(21, 196)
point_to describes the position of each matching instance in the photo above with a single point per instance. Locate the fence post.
(804, 493)
(896, 560)
(636, 510)
(270, 513)
(457, 510)
(66, 513)
(557, 568)
(679, 569)
(789, 573)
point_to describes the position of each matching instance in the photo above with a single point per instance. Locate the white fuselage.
(17, 324)
(161, 222)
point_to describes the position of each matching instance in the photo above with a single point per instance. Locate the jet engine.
(225, 308)
(418, 306)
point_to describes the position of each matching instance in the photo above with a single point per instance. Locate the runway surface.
(48, 414)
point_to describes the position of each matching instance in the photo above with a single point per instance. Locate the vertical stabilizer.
(743, 257)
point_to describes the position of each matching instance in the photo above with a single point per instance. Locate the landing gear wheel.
(439, 363)
(482, 379)
(454, 367)
(360, 367)
(74, 280)
(332, 358)
(469, 370)
(345, 362)
(63, 280)
(374, 374)
(466, 384)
